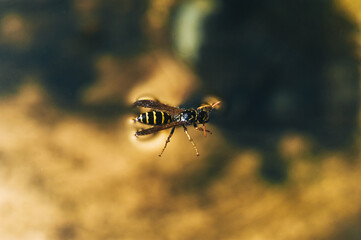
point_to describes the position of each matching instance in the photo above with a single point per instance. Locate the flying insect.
(164, 116)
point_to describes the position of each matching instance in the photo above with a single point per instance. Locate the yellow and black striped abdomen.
(154, 118)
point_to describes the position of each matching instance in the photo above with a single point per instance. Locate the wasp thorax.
(186, 116)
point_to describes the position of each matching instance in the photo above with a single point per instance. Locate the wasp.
(163, 117)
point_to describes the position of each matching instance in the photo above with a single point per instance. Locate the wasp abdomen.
(154, 118)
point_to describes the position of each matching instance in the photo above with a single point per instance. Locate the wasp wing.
(157, 128)
(158, 106)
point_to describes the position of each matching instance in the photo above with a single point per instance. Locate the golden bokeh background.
(71, 167)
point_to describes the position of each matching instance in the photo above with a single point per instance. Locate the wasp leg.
(191, 140)
(168, 140)
(202, 129)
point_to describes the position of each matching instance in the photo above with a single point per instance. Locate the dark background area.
(283, 65)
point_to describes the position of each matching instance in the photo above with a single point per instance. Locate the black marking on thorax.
(188, 116)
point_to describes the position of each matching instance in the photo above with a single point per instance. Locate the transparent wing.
(158, 106)
(157, 128)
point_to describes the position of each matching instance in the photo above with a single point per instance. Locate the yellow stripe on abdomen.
(154, 117)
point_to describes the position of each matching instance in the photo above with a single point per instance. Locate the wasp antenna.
(215, 104)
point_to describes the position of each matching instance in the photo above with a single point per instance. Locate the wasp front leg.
(204, 130)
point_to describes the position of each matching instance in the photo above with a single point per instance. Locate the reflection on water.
(71, 167)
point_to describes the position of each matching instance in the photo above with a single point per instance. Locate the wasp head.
(203, 112)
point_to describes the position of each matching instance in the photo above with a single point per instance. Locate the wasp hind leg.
(168, 140)
(191, 140)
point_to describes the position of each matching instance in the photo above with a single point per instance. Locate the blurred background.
(283, 161)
